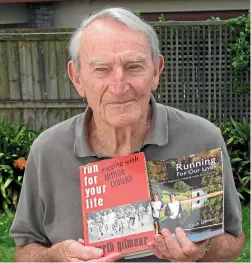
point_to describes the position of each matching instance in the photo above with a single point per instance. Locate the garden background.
(206, 73)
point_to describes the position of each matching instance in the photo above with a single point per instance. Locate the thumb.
(87, 253)
(77, 251)
(81, 241)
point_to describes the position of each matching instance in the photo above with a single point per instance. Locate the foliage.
(239, 48)
(162, 18)
(181, 187)
(214, 19)
(15, 142)
(138, 13)
(213, 208)
(157, 170)
(237, 138)
(212, 183)
(155, 188)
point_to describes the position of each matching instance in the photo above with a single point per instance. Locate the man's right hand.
(73, 251)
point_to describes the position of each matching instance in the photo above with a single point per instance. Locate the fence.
(198, 77)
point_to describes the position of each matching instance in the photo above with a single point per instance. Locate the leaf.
(245, 189)
(241, 196)
(6, 168)
(240, 130)
(19, 178)
(235, 160)
(7, 182)
(230, 140)
(3, 190)
(18, 182)
(245, 181)
(6, 208)
(20, 133)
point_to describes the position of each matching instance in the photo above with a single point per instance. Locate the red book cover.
(116, 207)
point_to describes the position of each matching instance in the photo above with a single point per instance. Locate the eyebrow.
(95, 62)
(137, 59)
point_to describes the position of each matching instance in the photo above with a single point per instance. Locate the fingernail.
(158, 238)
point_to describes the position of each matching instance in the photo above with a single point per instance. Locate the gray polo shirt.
(49, 209)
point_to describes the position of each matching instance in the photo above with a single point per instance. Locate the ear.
(158, 68)
(74, 76)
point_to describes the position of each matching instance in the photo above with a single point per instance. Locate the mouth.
(120, 102)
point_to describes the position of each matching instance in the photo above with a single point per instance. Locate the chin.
(122, 121)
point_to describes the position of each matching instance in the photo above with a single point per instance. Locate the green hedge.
(16, 140)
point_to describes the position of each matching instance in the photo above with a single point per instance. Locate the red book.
(116, 208)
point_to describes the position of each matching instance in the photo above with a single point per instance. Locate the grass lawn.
(245, 256)
(7, 246)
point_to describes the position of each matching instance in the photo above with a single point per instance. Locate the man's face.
(172, 198)
(156, 198)
(117, 74)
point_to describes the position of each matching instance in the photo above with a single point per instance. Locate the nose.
(118, 84)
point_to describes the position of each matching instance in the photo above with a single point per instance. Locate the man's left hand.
(165, 246)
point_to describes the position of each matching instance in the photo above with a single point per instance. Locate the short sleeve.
(232, 206)
(27, 226)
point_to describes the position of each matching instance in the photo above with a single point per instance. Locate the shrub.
(237, 138)
(15, 143)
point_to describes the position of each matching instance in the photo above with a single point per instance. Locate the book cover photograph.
(187, 192)
(116, 207)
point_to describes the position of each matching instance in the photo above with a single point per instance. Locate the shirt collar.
(158, 134)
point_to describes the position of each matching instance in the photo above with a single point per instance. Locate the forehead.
(107, 38)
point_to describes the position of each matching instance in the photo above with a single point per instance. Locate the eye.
(101, 69)
(135, 66)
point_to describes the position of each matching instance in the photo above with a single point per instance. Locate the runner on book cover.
(90, 222)
(99, 224)
(157, 206)
(111, 220)
(140, 213)
(105, 222)
(120, 220)
(173, 210)
(150, 211)
(132, 218)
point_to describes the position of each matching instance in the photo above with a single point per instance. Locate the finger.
(153, 246)
(173, 246)
(188, 247)
(161, 245)
(185, 243)
(109, 258)
(160, 242)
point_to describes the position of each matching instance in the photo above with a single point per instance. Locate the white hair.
(120, 15)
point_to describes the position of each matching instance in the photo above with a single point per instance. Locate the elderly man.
(116, 65)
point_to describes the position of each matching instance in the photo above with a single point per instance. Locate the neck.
(110, 141)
